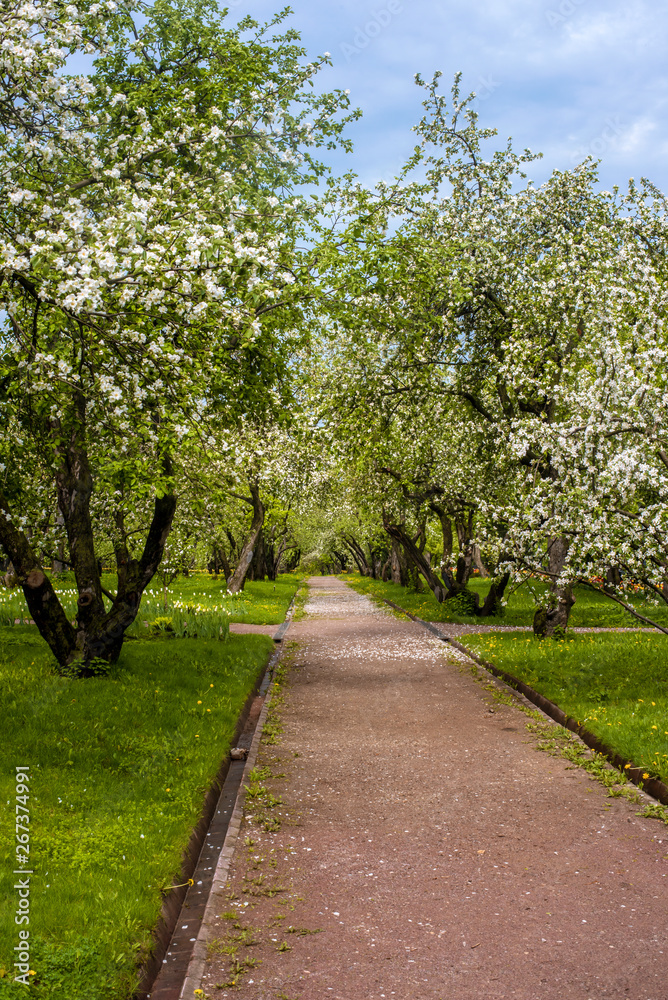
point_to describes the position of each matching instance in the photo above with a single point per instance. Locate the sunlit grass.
(590, 609)
(119, 769)
(199, 601)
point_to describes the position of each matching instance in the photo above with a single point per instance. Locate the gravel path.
(426, 848)
(241, 628)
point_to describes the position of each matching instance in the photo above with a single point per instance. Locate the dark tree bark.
(96, 634)
(552, 618)
(284, 546)
(276, 543)
(236, 582)
(449, 587)
(219, 561)
(613, 579)
(466, 547)
(492, 604)
(373, 562)
(399, 569)
(358, 554)
(59, 561)
(43, 603)
(399, 534)
(446, 530)
(293, 560)
(256, 570)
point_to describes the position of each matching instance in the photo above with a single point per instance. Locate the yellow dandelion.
(645, 775)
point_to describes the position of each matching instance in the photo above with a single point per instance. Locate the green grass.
(261, 602)
(119, 768)
(198, 604)
(590, 609)
(616, 685)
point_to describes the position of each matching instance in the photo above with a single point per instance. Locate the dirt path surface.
(241, 628)
(423, 847)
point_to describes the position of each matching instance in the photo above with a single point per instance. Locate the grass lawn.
(261, 602)
(590, 609)
(119, 767)
(197, 598)
(616, 685)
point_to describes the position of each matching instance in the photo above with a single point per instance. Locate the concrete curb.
(285, 625)
(216, 899)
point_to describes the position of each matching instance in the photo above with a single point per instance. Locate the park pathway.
(427, 848)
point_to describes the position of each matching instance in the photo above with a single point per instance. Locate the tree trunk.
(59, 564)
(551, 619)
(236, 582)
(292, 562)
(399, 570)
(256, 570)
(613, 579)
(358, 555)
(464, 567)
(341, 559)
(478, 563)
(398, 533)
(372, 561)
(283, 547)
(446, 530)
(97, 635)
(492, 604)
(219, 561)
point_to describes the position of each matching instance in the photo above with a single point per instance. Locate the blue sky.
(564, 77)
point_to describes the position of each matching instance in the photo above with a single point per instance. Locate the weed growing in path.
(559, 742)
(615, 684)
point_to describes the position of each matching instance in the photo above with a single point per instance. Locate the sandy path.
(437, 853)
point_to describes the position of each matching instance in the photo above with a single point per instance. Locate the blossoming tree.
(149, 271)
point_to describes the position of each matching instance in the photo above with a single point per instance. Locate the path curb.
(229, 786)
(216, 896)
(652, 786)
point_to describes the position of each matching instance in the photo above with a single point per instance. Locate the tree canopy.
(207, 334)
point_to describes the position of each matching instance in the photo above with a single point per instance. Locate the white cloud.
(560, 69)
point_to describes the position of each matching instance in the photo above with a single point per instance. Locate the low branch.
(627, 607)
